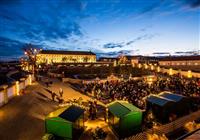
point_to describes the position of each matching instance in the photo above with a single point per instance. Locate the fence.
(9, 91)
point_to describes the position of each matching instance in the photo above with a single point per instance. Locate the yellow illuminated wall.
(64, 58)
(17, 87)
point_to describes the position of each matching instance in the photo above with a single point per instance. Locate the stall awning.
(72, 113)
(120, 109)
(158, 100)
(171, 96)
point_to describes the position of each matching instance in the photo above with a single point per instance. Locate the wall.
(169, 71)
(8, 92)
(55, 75)
(65, 58)
(183, 73)
(179, 63)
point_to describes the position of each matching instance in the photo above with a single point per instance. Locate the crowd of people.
(134, 91)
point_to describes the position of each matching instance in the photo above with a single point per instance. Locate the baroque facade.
(180, 61)
(53, 56)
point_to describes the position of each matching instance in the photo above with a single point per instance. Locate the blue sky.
(107, 27)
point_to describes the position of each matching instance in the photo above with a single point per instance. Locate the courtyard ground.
(23, 117)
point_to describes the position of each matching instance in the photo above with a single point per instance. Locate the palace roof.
(180, 58)
(67, 52)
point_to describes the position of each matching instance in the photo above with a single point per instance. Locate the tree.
(31, 51)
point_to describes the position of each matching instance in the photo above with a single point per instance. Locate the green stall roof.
(72, 113)
(69, 113)
(122, 108)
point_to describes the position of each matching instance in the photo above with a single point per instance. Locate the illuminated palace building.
(53, 56)
(180, 61)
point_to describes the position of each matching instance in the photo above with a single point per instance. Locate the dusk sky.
(106, 27)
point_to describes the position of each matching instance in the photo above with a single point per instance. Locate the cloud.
(112, 45)
(142, 37)
(54, 24)
(150, 8)
(9, 2)
(115, 53)
(167, 7)
(161, 53)
(7, 45)
(50, 23)
(192, 3)
(12, 48)
(128, 43)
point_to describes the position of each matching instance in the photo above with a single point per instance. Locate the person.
(60, 100)
(61, 92)
(47, 84)
(53, 95)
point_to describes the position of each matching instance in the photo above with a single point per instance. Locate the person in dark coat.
(53, 95)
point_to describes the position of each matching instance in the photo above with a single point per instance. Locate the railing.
(166, 129)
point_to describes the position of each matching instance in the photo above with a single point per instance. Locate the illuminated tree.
(31, 51)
